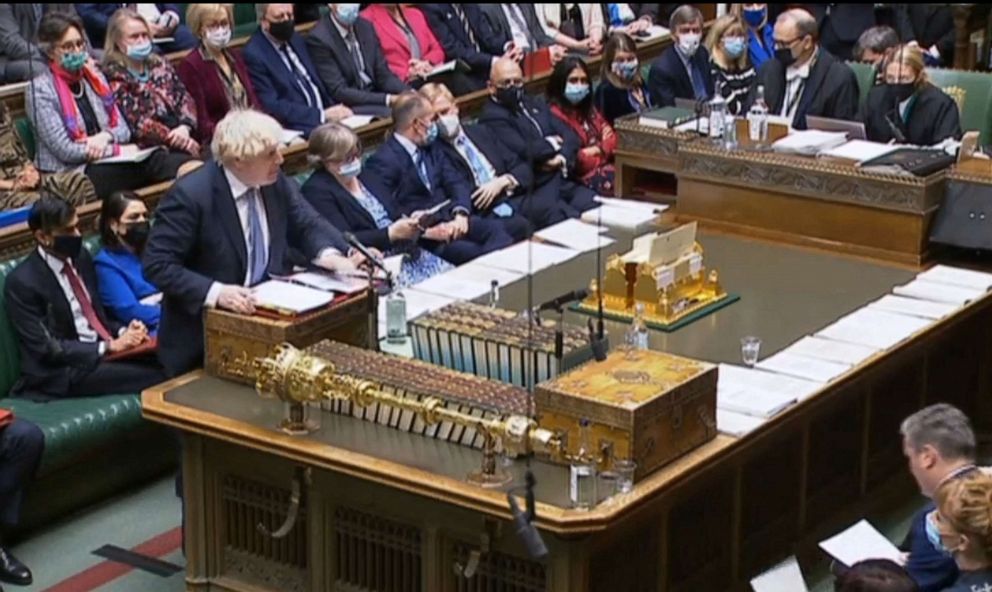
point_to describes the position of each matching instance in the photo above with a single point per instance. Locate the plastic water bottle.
(582, 471)
(718, 113)
(396, 317)
(637, 334)
(757, 117)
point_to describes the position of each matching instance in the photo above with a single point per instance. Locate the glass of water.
(750, 348)
(625, 474)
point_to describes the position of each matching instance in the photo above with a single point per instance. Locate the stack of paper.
(328, 282)
(758, 393)
(784, 577)
(289, 136)
(914, 307)
(288, 298)
(575, 235)
(874, 328)
(859, 150)
(357, 121)
(809, 142)
(736, 424)
(527, 257)
(139, 156)
(818, 348)
(859, 542)
(452, 287)
(939, 292)
(473, 272)
(956, 276)
(812, 369)
(621, 218)
(632, 204)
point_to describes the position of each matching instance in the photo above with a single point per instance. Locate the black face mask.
(283, 30)
(136, 235)
(784, 55)
(901, 92)
(67, 246)
(510, 97)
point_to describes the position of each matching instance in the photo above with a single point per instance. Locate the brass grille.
(248, 503)
(499, 572)
(375, 554)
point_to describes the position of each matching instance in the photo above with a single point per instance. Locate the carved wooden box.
(644, 405)
(233, 341)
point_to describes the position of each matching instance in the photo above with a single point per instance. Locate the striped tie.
(258, 258)
(465, 25)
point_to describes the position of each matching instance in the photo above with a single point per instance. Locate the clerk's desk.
(386, 510)
(792, 199)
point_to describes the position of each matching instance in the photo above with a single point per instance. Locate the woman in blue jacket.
(124, 291)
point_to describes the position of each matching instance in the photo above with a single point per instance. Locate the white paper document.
(328, 282)
(859, 542)
(576, 235)
(527, 257)
(859, 150)
(357, 121)
(621, 218)
(809, 142)
(939, 292)
(736, 424)
(480, 273)
(784, 577)
(760, 393)
(874, 328)
(286, 297)
(752, 400)
(914, 307)
(632, 204)
(850, 354)
(956, 276)
(452, 287)
(139, 156)
(152, 299)
(802, 367)
(448, 66)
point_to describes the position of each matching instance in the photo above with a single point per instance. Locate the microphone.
(597, 343)
(354, 243)
(557, 303)
(529, 536)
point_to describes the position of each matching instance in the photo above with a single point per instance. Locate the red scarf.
(70, 112)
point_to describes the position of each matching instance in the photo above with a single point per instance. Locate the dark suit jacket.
(337, 70)
(197, 239)
(933, 117)
(396, 174)
(490, 21)
(668, 78)
(38, 309)
(96, 17)
(930, 569)
(614, 102)
(844, 25)
(340, 208)
(205, 85)
(831, 90)
(451, 35)
(927, 24)
(496, 153)
(19, 30)
(519, 136)
(276, 86)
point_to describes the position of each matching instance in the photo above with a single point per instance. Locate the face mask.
(901, 92)
(283, 30)
(755, 16)
(784, 55)
(449, 125)
(66, 246)
(218, 38)
(136, 235)
(933, 535)
(625, 70)
(347, 13)
(74, 62)
(575, 93)
(734, 46)
(689, 43)
(140, 52)
(510, 97)
(351, 169)
(432, 132)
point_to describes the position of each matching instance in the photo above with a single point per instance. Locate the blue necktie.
(258, 258)
(479, 169)
(698, 86)
(418, 159)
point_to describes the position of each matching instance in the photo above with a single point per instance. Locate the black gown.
(931, 118)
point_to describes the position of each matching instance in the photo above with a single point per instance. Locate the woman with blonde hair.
(155, 103)
(961, 526)
(732, 72)
(907, 108)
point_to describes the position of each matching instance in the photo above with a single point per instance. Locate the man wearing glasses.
(802, 79)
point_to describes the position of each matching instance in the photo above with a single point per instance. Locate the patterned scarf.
(70, 112)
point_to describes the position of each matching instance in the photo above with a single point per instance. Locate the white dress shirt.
(86, 333)
(521, 37)
(795, 86)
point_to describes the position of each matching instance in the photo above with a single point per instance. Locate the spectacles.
(77, 45)
(510, 82)
(783, 44)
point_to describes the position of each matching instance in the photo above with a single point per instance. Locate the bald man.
(803, 79)
(525, 126)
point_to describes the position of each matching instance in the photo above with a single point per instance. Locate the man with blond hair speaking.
(227, 227)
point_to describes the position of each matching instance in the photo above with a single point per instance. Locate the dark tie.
(463, 19)
(258, 258)
(698, 85)
(356, 56)
(302, 80)
(89, 313)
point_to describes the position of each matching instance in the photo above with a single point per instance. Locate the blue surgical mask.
(933, 535)
(140, 52)
(432, 133)
(347, 13)
(755, 16)
(576, 93)
(351, 169)
(734, 46)
(74, 62)
(626, 70)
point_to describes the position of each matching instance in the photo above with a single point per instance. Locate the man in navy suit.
(64, 334)
(411, 167)
(163, 19)
(226, 227)
(284, 78)
(454, 26)
(939, 443)
(21, 445)
(525, 126)
(683, 70)
(349, 60)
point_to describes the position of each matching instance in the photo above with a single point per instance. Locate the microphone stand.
(373, 309)
(560, 339)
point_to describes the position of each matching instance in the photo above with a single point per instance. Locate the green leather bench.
(95, 447)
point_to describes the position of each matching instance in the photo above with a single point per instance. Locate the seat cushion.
(75, 427)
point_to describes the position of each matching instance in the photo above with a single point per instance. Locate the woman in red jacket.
(571, 102)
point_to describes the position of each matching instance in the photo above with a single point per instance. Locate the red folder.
(537, 63)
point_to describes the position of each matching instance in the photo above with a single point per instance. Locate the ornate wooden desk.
(384, 510)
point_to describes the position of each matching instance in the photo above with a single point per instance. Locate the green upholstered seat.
(26, 132)
(865, 73)
(973, 92)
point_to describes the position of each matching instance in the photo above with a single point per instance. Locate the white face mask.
(218, 38)
(449, 125)
(689, 43)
